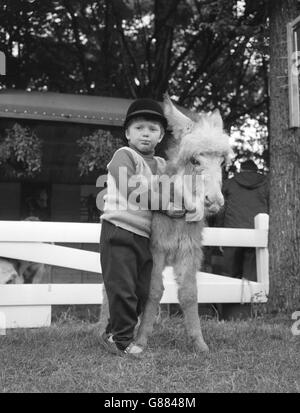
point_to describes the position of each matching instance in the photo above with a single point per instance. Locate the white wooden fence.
(29, 305)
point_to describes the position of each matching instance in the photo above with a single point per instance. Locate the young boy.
(126, 258)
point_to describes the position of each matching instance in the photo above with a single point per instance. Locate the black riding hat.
(147, 108)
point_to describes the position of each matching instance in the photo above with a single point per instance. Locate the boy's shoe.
(108, 343)
(132, 350)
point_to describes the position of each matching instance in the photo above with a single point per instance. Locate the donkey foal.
(201, 149)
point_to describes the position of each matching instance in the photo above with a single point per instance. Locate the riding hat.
(147, 108)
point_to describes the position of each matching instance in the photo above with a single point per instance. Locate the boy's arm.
(121, 158)
(165, 202)
(123, 163)
(124, 159)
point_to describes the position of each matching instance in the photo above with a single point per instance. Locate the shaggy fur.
(201, 148)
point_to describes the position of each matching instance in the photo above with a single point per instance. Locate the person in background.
(246, 194)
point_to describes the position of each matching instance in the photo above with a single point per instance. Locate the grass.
(259, 355)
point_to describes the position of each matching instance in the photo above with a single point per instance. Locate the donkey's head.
(203, 148)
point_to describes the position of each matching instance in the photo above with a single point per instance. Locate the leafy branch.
(97, 150)
(20, 152)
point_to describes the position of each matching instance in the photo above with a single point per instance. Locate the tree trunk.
(165, 14)
(284, 170)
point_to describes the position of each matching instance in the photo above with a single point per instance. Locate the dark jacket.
(246, 195)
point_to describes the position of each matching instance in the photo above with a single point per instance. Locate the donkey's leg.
(185, 273)
(155, 294)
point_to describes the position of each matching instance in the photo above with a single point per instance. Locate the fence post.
(2, 323)
(261, 221)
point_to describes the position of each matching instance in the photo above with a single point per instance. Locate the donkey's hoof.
(141, 341)
(201, 347)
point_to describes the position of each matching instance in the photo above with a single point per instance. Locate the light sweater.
(121, 210)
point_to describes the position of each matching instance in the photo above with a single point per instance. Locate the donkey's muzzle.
(213, 204)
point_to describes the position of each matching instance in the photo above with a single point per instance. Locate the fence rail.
(30, 305)
(64, 232)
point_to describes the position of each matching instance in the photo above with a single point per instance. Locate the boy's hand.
(179, 213)
(176, 213)
(173, 212)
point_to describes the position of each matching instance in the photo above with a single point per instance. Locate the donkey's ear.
(216, 119)
(180, 123)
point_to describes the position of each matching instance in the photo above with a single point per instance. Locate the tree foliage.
(207, 53)
(20, 152)
(96, 150)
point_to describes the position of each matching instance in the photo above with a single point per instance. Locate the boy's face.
(144, 135)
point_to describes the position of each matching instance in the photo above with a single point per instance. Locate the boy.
(126, 258)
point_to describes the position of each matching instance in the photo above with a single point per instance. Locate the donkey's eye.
(195, 161)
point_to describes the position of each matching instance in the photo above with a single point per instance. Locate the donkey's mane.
(203, 138)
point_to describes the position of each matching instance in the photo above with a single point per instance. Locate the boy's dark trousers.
(126, 262)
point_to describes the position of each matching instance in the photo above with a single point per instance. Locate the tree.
(96, 150)
(284, 169)
(207, 53)
(20, 152)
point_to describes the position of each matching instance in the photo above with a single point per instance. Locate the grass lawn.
(246, 356)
